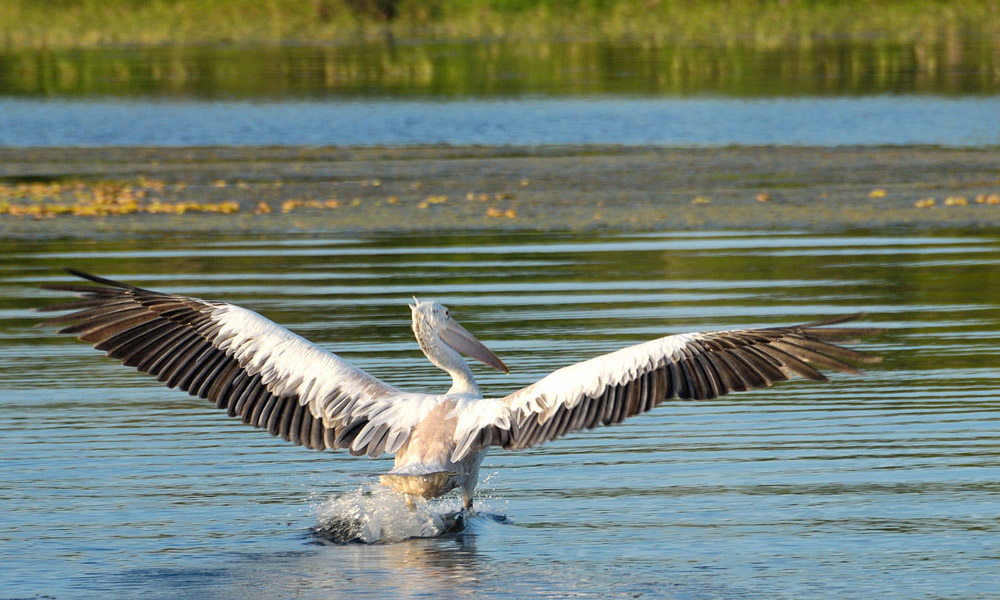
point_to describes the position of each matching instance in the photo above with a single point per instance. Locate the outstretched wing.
(610, 388)
(244, 363)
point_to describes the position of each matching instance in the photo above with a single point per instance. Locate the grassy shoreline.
(767, 23)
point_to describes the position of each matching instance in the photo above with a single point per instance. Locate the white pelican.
(276, 380)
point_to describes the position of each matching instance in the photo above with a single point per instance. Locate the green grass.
(762, 23)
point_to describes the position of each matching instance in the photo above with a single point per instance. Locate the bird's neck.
(462, 381)
(452, 363)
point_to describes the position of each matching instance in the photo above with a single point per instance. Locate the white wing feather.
(246, 363)
(568, 386)
(608, 389)
(564, 388)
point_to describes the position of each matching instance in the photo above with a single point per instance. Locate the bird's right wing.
(245, 363)
(610, 388)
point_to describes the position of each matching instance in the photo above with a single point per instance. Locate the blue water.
(883, 485)
(703, 121)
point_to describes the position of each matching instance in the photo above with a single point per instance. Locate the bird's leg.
(469, 485)
(410, 502)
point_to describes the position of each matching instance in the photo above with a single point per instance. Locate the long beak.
(462, 341)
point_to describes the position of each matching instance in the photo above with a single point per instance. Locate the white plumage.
(277, 380)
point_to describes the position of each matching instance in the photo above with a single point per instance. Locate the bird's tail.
(424, 485)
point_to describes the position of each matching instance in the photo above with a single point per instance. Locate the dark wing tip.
(96, 279)
(818, 333)
(835, 320)
(91, 295)
(820, 330)
(82, 289)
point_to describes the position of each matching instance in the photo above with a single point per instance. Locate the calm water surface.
(881, 120)
(884, 485)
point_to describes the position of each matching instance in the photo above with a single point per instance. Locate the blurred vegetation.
(761, 23)
(491, 68)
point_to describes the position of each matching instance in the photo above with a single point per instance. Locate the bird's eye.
(446, 312)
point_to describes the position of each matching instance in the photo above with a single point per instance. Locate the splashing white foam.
(375, 514)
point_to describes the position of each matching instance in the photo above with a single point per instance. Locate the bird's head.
(433, 325)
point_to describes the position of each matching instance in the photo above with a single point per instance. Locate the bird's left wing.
(244, 363)
(610, 388)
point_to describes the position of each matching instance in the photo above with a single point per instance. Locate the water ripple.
(884, 484)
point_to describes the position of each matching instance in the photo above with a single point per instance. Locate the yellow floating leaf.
(956, 201)
(494, 212)
(263, 208)
(84, 211)
(877, 193)
(763, 197)
(701, 200)
(924, 203)
(152, 184)
(223, 207)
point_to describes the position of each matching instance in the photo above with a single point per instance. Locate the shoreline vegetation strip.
(760, 23)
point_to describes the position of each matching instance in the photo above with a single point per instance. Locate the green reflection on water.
(692, 286)
(475, 69)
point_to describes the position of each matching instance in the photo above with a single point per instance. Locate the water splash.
(374, 514)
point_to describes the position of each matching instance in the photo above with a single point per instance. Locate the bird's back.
(423, 465)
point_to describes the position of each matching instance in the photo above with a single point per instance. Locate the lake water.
(505, 92)
(881, 120)
(883, 485)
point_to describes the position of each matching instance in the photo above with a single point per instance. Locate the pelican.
(276, 380)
